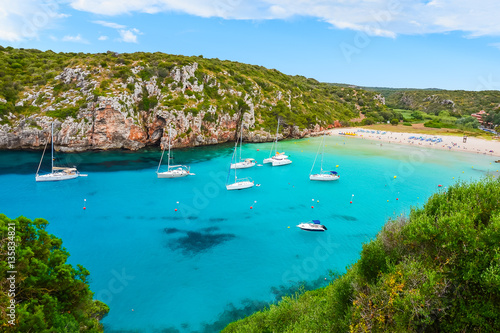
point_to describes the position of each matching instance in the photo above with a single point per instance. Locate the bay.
(222, 254)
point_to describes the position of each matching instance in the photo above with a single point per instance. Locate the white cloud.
(25, 19)
(75, 39)
(497, 45)
(110, 24)
(126, 35)
(386, 18)
(103, 38)
(129, 36)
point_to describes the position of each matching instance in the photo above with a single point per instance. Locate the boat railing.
(246, 179)
(185, 167)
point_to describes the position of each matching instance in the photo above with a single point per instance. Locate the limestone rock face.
(93, 110)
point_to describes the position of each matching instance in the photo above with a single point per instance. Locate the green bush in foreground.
(436, 271)
(50, 295)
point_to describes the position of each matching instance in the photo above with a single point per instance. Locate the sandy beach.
(451, 143)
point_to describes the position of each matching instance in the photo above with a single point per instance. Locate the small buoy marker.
(176, 209)
(84, 202)
(258, 149)
(395, 177)
(397, 199)
(312, 206)
(440, 185)
(251, 207)
(177, 202)
(312, 199)
(337, 166)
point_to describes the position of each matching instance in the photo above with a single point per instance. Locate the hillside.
(110, 100)
(456, 102)
(437, 270)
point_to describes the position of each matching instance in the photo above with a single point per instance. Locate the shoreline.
(443, 142)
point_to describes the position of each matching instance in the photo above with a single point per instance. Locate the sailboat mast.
(241, 140)
(315, 158)
(234, 156)
(276, 140)
(322, 150)
(168, 165)
(52, 150)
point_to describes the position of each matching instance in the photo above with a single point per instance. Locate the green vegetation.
(51, 295)
(298, 100)
(437, 270)
(433, 101)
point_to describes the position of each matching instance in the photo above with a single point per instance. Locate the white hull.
(280, 162)
(242, 165)
(311, 227)
(53, 177)
(324, 177)
(275, 158)
(172, 174)
(239, 185)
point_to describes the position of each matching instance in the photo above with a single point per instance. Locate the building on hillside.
(479, 116)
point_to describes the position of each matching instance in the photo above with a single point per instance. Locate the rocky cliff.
(112, 101)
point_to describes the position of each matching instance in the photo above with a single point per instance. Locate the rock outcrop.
(131, 107)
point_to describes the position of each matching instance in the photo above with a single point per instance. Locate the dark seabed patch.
(179, 218)
(217, 219)
(232, 313)
(198, 242)
(345, 217)
(171, 230)
(210, 229)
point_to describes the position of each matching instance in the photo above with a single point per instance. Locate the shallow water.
(222, 254)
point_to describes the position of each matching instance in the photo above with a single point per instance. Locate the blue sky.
(386, 43)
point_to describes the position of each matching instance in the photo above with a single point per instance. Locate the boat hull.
(242, 165)
(239, 185)
(172, 174)
(323, 177)
(312, 227)
(281, 162)
(51, 177)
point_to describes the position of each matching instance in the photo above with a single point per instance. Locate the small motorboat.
(314, 225)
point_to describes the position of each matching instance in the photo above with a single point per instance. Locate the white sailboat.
(238, 184)
(278, 158)
(322, 175)
(243, 163)
(173, 171)
(57, 173)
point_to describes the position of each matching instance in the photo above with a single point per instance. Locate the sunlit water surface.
(222, 254)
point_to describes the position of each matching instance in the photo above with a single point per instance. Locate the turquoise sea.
(222, 254)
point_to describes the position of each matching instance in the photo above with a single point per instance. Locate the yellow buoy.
(338, 166)
(395, 177)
